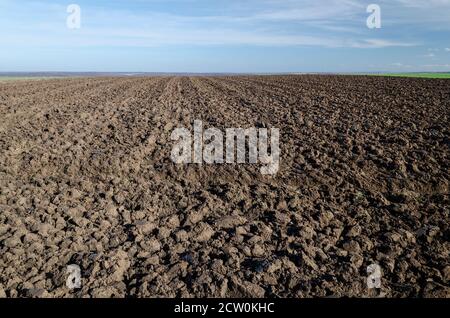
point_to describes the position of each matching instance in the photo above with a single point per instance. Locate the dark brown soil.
(86, 178)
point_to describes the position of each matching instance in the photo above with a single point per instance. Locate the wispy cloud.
(437, 66)
(425, 3)
(381, 43)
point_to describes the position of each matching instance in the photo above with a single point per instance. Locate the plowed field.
(86, 178)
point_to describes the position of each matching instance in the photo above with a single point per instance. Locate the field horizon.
(11, 76)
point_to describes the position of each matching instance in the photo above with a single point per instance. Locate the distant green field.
(418, 75)
(20, 78)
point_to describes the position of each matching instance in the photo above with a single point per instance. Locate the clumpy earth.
(86, 178)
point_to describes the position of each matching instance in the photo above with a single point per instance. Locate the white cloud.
(380, 43)
(401, 65)
(437, 66)
(425, 3)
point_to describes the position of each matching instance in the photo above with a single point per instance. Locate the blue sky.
(225, 36)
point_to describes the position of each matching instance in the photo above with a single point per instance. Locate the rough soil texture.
(86, 178)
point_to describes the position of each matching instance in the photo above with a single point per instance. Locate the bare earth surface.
(86, 178)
